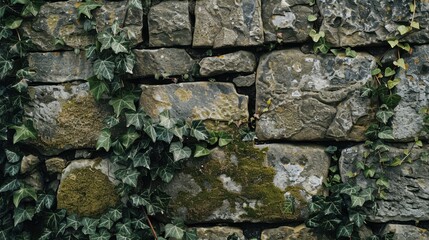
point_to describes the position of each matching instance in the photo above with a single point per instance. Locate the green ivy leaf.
(350, 53)
(97, 87)
(191, 235)
(349, 189)
(89, 225)
(129, 138)
(124, 229)
(375, 71)
(121, 103)
(289, 205)
(135, 4)
(119, 45)
(106, 222)
(368, 194)
(115, 214)
(10, 186)
(139, 223)
(55, 218)
(24, 132)
(137, 200)
(166, 120)
(103, 234)
(12, 157)
(345, 231)
(315, 206)
(333, 208)
(86, 7)
(104, 140)
(198, 130)
(313, 222)
(31, 9)
(400, 63)
(5, 33)
(391, 100)
(179, 152)
(403, 29)
(415, 25)
(131, 178)
(357, 201)
(330, 224)
(22, 214)
(46, 235)
(13, 23)
(164, 134)
(126, 62)
(73, 222)
(135, 119)
(384, 116)
(393, 43)
(104, 69)
(224, 139)
(369, 172)
(23, 193)
(150, 131)
(173, 231)
(44, 201)
(142, 159)
(166, 174)
(201, 151)
(311, 18)
(5, 66)
(386, 134)
(392, 83)
(357, 218)
(11, 169)
(389, 72)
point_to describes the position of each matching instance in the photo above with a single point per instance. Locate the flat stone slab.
(216, 233)
(291, 233)
(312, 97)
(240, 183)
(196, 101)
(286, 20)
(408, 232)
(59, 67)
(228, 23)
(237, 62)
(170, 24)
(65, 117)
(408, 193)
(162, 62)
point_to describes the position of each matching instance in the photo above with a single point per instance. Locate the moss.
(87, 192)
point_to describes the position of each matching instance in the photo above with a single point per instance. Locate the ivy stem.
(19, 36)
(126, 14)
(150, 224)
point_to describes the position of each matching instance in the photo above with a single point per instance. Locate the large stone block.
(65, 117)
(58, 67)
(358, 23)
(408, 232)
(243, 183)
(237, 62)
(311, 97)
(286, 20)
(291, 233)
(163, 61)
(216, 233)
(408, 193)
(196, 101)
(170, 24)
(228, 23)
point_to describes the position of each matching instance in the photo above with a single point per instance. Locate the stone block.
(245, 81)
(300, 232)
(216, 233)
(237, 62)
(408, 232)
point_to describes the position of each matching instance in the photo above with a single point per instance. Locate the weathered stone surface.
(311, 97)
(245, 81)
(65, 117)
(163, 61)
(216, 233)
(228, 23)
(357, 23)
(34, 180)
(406, 197)
(57, 21)
(169, 24)
(286, 20)
(240, 183)
(55, 165)
(87, 187)
(28, 163)
(58, 67)
(408, 232)
(112, 11)
(238, 62)
(407, 122)
(291, 233)
(196, 101)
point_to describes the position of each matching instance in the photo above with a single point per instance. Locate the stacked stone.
(301, 99)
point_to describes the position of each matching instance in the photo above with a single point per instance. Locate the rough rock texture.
(240, 183)
(117, 11)
(291, 233)
(28, 163)
(245, 81)
(312, 97)
(238, 62)
(227, 23)
(357, 23)
(169, 24)
(35, 180)
(58, 67)
(406, 198)
(87, 187)
(408, 232)
(65, 117)
(163, 61)
(216, 233)
(55, 165)
(414, 90)
(286, 20)
(196, 101)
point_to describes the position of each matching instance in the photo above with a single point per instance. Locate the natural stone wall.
(212, 60)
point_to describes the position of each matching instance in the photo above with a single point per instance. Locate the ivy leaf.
(180, 130)
(392, 83)
(46, 235)
(124, 228)
(349, 189)
(311, 18)
(104, 140)
(5, 33)
(333, 208)
(191, 235)
(22, 214)
(179, 152)
(86, 7)
(150, 131)
(10, 186)
(166, 120)
(128, 138)
(415, 25)
(131, 178)
(106, 221)
(23, 193)
(391, 100)
(135, 119)
(104, 69)
(224, 139)
(173, 231)
(357, 218)
(345, 231)
(115, 214)
(11, 169)
(126, 62)
(403, 29)
(367, 194)
(24, 132)
(73, 222)
(400, 63)
(289, 205)
(164, 134)
(330, 224)
(89, 225)
(103, 234)
(313, 222)
(30, 9)
(139, 223)
(198, 130)
(97, 87)
(136, 4)
(166, 174)
(389, 72)
(142, 159)
(384, 116)
(121, 103)
(315, 206)
(357, 201)
(393, 43)
(12, 157)
(350, 53)
(201, 151)
(386, 134)
(137, 200)
(119, 45)
(44, 201)
(13, 23)
(54, 219)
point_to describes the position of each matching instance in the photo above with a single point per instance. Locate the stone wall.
(302, 102)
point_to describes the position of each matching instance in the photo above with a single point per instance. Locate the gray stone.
(243, 183)
(216, 233)
(34, 180)
(408, 232)
(286, 20)
(65, 117)
(300, 232)
(196, 101)
(406, 197)
(407, 122)
(238, 62)
(162, 62)
(245, 81)
(55, 165)
(28, 163)
(357, 23)
(228, 23)
(58, 67)
(169, 24)
(312, 97)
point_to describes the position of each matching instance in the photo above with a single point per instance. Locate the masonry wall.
(238, 61)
